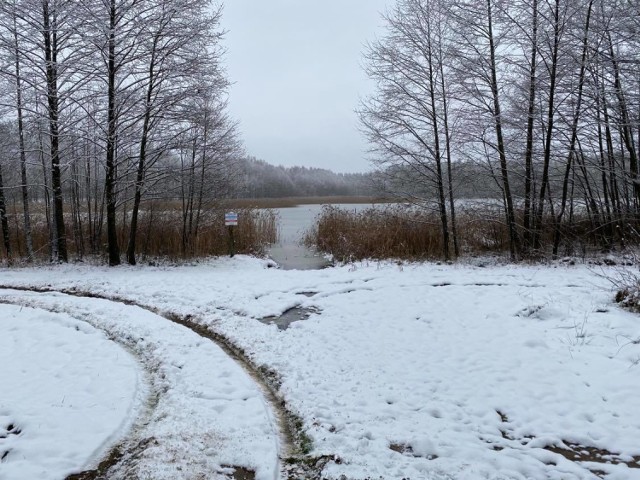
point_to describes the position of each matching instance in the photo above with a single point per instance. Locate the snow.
(67, 394)
(468, 371)
(204, 413)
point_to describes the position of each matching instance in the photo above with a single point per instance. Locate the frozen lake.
(293, 222)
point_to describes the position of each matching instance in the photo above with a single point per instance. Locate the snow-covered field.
(403, 371)
(67, 392)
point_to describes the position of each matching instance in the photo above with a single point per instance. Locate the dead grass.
(387, 232)
(160, 235)
(409, 233)
(384, 231)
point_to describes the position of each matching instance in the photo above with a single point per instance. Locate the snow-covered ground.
(404, 371)
(70, 395)
(67, 393)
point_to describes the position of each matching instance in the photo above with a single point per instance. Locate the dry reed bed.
(405, 232)
(161, 234)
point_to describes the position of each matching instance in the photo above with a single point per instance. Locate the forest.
(106, 104)
(259, 179)
(542, 95)
(115, 130)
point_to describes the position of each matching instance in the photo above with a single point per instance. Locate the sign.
(231, 219)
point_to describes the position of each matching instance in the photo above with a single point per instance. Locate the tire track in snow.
(294, 445)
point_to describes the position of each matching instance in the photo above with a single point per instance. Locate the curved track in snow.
(138, 449)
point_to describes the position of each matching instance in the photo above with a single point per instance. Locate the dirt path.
(294, 444)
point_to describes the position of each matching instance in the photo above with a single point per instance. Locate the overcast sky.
(297, 72)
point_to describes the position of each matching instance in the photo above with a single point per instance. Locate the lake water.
(293, 222)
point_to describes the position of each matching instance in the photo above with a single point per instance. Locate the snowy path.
(68, 394)
(421, 371)
(205, 414)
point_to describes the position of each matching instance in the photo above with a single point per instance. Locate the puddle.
(295, 314)
(240, 473)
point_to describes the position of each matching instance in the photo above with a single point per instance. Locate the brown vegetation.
(404, 232)
(161, 234)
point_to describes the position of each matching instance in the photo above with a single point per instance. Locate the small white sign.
(231, 219)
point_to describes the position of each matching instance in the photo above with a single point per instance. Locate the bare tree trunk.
(203, 169)
(603, 170)
(447, 135)
(53, 238)
(4, 221)
(574, 129)
(528, 176)
(514, 241)
(137, 198)
(588, 191)
(75, 204)
(550, 125)
(142, 157)
(447, 138)
(23, 158)
(88, 197)
(51, 52)
(189, 200)
(611, 163)
(625, 126)
(110, 179)
(437, 153)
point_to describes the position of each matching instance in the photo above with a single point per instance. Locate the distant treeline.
(262, 180)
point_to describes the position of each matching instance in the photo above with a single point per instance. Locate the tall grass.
(161, 234)
(375, 233)
(405, 232)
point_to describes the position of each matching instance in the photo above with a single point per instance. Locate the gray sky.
(297, 70)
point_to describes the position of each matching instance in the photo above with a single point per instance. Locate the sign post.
(231, 220)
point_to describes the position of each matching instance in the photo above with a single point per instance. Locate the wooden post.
(232, 243)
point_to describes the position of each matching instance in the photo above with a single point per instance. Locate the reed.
(163, 233)
(385, 232)
(409, 233)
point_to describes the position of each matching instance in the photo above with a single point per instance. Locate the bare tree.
(476, 53)
(4, 222)
(181, 54)
(10, 42)
(53, 45)
(406, 120)
(574, 127)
